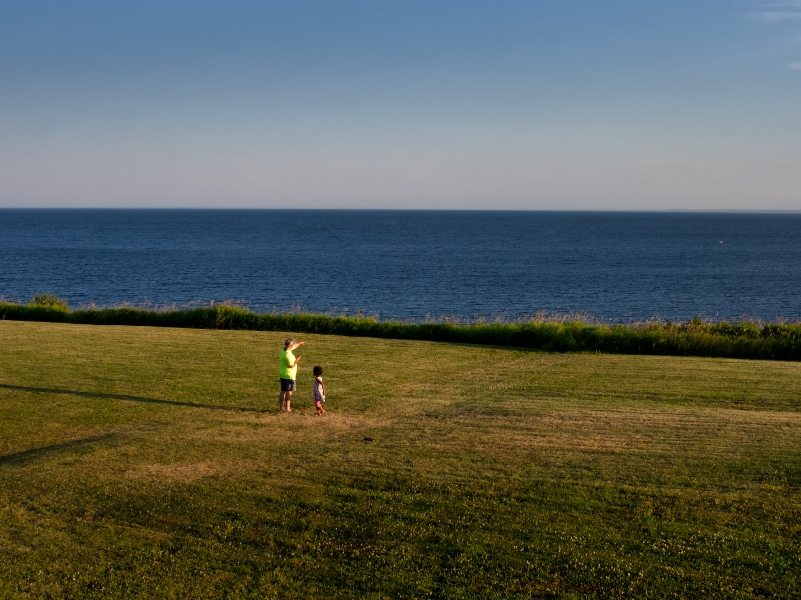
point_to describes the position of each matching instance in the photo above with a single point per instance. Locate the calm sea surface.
(410, 264)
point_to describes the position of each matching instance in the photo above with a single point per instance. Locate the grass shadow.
(20, 458)
(35, 390)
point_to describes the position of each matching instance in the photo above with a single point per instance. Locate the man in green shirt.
(288, 373)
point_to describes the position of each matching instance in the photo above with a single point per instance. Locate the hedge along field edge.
(694, 338)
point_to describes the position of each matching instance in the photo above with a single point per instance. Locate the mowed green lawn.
(153, 463)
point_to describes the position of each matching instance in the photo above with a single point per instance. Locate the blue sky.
(565, 104)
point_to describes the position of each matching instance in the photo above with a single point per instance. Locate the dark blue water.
(410, 264)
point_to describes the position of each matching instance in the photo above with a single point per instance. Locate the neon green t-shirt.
(287, 372)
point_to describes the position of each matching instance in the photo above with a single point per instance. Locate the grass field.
(152, 463)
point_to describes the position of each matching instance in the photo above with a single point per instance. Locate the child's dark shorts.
(287, 385)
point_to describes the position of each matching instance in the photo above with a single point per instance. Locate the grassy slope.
(151, 462)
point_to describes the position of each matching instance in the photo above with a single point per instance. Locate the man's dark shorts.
(287, 385)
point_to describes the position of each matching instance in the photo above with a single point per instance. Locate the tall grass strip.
(694, 338)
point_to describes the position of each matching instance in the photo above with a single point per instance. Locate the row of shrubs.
(693, 338)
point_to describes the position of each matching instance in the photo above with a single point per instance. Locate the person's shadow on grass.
(27, 456)
(35, 390)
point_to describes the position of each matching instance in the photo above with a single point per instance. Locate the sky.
(418, 104)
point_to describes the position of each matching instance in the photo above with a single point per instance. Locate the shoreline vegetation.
(745, 340)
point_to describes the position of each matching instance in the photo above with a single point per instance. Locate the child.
(319, 390)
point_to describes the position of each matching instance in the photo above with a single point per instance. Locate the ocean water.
(413, 264)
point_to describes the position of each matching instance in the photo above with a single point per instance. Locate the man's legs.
(284, 397)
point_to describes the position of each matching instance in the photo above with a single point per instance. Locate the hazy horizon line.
(409, 210)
